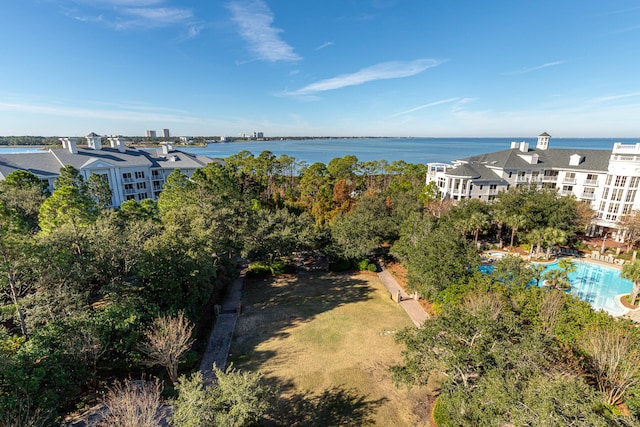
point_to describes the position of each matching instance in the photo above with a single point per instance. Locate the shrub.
(372, 267)
(363, 264)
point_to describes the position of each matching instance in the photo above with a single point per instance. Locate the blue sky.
(330, 67)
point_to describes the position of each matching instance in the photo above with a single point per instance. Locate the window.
(627, 208)
(141, 185)
(510, 173)
(616, 194)
(634, 181)
(493, 186)
(481, 186)
(602, 205)
(605, 193)
(139, 175)
(609, 179)
(620, 181)
(567, 188)
(613, 207)
(126, 176)
(631, 196)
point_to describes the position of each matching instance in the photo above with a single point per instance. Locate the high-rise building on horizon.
(150, 133)
(165, 133)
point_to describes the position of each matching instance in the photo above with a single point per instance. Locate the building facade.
(132, 174)
(606, 180)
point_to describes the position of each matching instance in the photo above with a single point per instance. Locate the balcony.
(591, 182)
(588, 196)
(521, 179)
(127, 180)
(565, 192)
(568, 180)
(550, 178)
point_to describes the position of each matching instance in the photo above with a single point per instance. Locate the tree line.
(84, 286)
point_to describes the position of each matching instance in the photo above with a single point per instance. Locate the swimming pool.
(596, 284)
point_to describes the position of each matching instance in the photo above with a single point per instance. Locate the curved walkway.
(415, 311)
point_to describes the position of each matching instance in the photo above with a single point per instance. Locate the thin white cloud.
(385, 70)
(111, 114)
(135, 14)
(421, 107)
(156, 16)
(615, 97)
(255, 25)
(323, 45)
(539, 67)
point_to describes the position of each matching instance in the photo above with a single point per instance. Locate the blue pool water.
(594, 283)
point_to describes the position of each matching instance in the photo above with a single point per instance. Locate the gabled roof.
(48, 164)
(130, 158)
(92, 135)
(553, 158)
(545, 134)
(476, 171)
(41, 164)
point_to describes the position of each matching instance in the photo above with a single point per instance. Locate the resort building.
(607, 180)
(132, 173)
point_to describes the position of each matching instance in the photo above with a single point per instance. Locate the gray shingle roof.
(49, 163)
(42, 164)
(129, 158)
(477, 171)
(553, 158)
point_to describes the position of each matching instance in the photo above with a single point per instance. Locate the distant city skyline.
(331, 68)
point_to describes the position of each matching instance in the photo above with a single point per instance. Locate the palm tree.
(632, 272)
(567, 265)
(537, 270)
(477, 222)
(536, 237)
(552, 237)
(557, 279)
(515, 222)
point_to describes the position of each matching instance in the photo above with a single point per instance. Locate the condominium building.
(165, 133)
(150, 133)
(131, 173)
(607, 180)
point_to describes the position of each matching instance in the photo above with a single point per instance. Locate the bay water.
(411, 150)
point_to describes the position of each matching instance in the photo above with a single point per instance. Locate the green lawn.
(327, 341)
